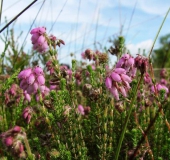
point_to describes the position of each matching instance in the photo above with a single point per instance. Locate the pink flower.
(41, 80)
(16, 129)
(123, 91)
(50, 67)
(127, 62)
(163, 73)
(27, 114)
(81, 109)
(25, 73)
(18, 147)
(27, 96)
(108, 82)
(8, 141)
(118, 81)
(31, 80)
(141, 63)
(13, 90)
(115, 93)
(89, 54)
(126, 78)
(159, 87)
(116, 77)
(120, 71)
(163, 82)
(83, 55)
(38, 70)
(38, 39)
(147, 79)
(53, 87)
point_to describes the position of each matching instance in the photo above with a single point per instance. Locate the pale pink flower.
(163, 73)
(27, 114)
(81, 109)
(115, 93)
(108, 82)
(27, 96)
(38, 39)
(118, 81)
(32, 80)
(127, 62)
(159, 87)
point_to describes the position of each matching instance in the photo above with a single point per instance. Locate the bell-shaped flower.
(115, 93)
(116, 77)
(108, 82)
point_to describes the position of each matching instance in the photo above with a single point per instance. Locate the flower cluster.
(27, 114)
(118, 81)
(141, 63)
(39, 40)
(147, 79)
(50, 67)
(65, 73)
(127, 62)
(83, 110)
(159, 87)
(32, 80)
(88, 54)
(12, 95)
(163, 73)
(12, 140)
(94, 55)
(56, 42)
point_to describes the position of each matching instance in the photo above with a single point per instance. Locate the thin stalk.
(158, 32)
(30, 155)
(17, 16)
(127, 119)
(1, 4)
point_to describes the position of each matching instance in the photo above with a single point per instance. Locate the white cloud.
(88, 12)
(106, 11)
(145, 45)
(149, 6)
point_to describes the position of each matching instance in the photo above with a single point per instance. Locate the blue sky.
(82, 22)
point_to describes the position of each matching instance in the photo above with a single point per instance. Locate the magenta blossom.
(118, 81)
(32, 80)
(80, 109)
(163, 73)
(50, 67)
(27, 114)
(141, 63)
(127, 62)
(38, 39)
(8, 141)
(147, 79)
(159, 87)
(12, 140)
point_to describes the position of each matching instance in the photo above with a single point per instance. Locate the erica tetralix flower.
(118, 81)
(39, 40)
(32, 80)
(127, 62)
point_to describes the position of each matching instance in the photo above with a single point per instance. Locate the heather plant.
(86, 112)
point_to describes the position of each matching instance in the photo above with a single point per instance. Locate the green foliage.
(59, 130)
(160, 55)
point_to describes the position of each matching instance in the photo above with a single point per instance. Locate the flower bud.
(8, 141)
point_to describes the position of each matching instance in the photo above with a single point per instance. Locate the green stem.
(127, 119)
(27, 146)
(158, 32)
